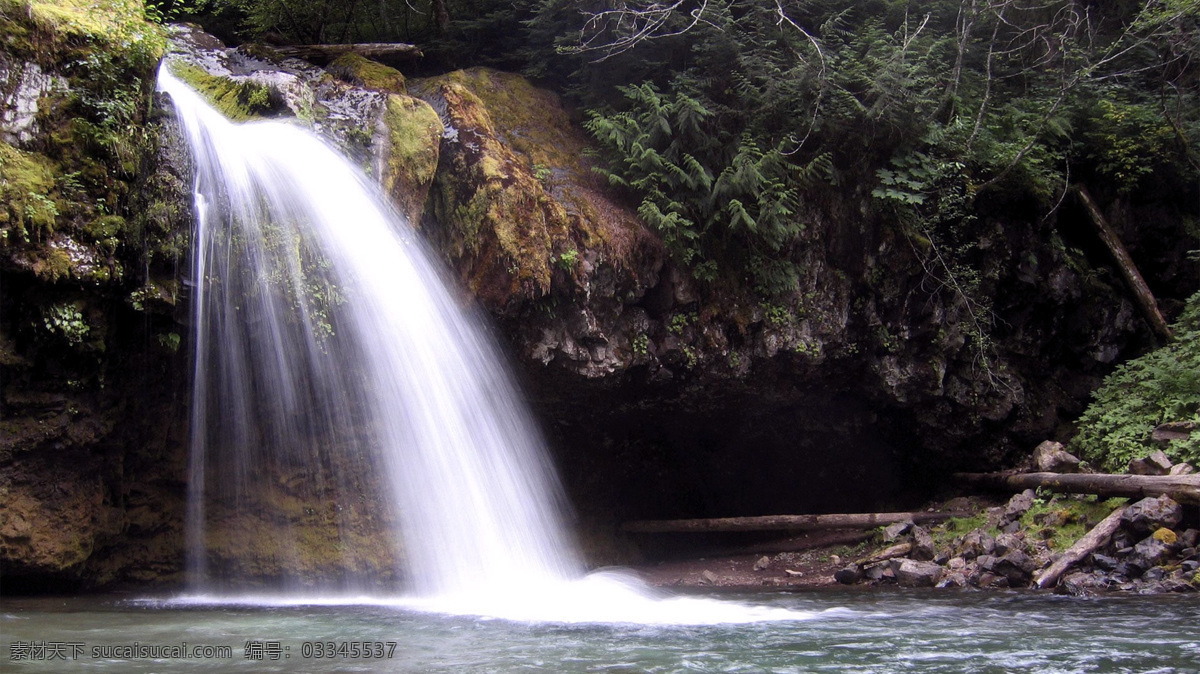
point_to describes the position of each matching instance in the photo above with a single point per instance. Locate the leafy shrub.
(1161, 386)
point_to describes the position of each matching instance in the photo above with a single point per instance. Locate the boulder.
(1017, 506)
(977, 543)
(894, 531)
(1081, 584)
(953, 579)
(1181, 469)
(409, 153)
(1174, 430)
(878, 572)
(914, 573)
(1150, 514)
(849, 575)
(1155, 464)
(763, 563)
(1052, 458)
(514, 204)
(1006, 543)
(923, 548)
(1017, 567)
(1149, 553)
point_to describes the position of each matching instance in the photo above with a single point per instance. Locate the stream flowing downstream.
(877, 631)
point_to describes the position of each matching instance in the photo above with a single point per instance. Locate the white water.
(317, 315)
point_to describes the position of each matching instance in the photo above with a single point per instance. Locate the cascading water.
(315, 315)
(327, 347)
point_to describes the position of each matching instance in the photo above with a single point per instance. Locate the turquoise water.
(843, 631)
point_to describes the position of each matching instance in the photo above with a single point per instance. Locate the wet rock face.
(91, 468)
(527, 227)
(637, 345)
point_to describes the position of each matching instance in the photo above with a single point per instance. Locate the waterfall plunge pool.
(841, 631)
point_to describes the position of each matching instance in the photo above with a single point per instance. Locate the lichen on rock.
(363, 72)
(410, 153)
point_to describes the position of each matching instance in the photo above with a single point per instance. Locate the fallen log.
(785, 522)
(1095, 538)
(1182, 488)
(379, 51)
(792, 544)
(1129, 271)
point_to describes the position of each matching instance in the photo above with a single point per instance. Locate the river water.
(834, 631)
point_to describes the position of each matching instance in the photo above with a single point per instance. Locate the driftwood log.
(1095, 538)
(379, 51)
(1129, 271)
(785, 522)
(1182, 488)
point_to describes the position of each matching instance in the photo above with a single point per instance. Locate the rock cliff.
(662, 397)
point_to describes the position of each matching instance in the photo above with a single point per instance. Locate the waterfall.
(318, 314)
(330, 354)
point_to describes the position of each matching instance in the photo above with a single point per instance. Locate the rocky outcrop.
(1013, 545)
(91, 420)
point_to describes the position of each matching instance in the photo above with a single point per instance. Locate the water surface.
(836, 631)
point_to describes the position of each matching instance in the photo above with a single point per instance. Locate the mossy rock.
(237, 99)
(27, 183)
(414, 134)
(495, 219)
(43, 30)
(514, 198)
(363, 72)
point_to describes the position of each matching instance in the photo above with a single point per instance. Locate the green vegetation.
(1062, 520)
(79, 178)
(698, 194)
(951, 110)
(26, 183)
(367, 73)
(568, 259)
(66, 322)
(238, 100)
(641, 344)
(1161, 386)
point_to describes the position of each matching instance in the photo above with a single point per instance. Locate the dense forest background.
(721, 116)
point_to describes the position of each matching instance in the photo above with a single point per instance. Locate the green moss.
(945, 533)
(239, 100)
(414, 137)
(1063, 520)
(26, 184)
(52, 26)
(364, 72)
(545, 153)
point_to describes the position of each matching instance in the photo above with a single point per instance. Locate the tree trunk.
(1095, 538)
(441, 17)
(380, 51)
(785, 522)
(1182, 488)
(1129, 271)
